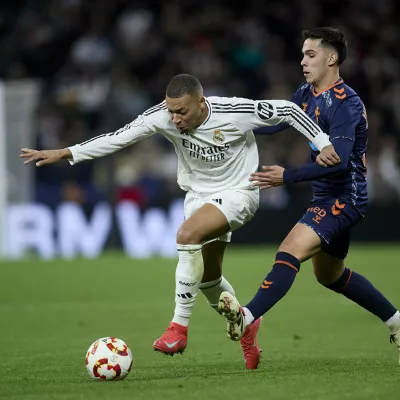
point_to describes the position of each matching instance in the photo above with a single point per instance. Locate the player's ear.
(333, 59)
(202, 100)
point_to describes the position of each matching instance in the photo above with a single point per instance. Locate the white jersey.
(219, 154)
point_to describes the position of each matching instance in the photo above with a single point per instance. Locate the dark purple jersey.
(339, 112)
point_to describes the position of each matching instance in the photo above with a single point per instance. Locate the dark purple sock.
(275, 285)
(360, 290)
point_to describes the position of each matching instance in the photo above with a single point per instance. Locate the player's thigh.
(331, 220)
(239, 206)
(302, 242)
(327, 269)
(204, 222)
(207, 223)
(213, 256)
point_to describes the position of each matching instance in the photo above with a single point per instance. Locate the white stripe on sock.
(248, 316)
(393, 323)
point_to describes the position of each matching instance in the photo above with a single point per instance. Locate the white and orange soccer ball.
(109, 359)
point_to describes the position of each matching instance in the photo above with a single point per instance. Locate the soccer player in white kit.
(217, 152)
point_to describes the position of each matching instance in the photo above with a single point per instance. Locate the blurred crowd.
(100, 63)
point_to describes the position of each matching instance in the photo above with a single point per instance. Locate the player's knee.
(328, 274)
(323, 279)
(289, 248)
(298, 248)
(187, 236)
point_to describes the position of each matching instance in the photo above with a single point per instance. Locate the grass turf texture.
(316, 344)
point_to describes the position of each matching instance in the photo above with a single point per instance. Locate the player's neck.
(326, 82)
(203, 116)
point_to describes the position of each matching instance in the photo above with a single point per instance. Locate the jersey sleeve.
(271, 130)
(275, 112)
(345, 118)
(342, 135)
(142, 127)
(313, 171)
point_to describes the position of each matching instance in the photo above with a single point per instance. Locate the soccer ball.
(109, 359)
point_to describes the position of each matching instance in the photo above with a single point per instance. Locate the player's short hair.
(329, 37)
(183, 84)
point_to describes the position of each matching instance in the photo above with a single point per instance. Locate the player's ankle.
(183, 321)
(393, 323)
(248, 317)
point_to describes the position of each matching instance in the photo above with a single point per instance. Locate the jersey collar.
(338, 82)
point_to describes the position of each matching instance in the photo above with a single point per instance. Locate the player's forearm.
(108, 143)
(293, 115)
(309, 172)
(97, 148)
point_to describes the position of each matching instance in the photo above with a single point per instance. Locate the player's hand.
(270, 176)
(328, 157)
(44, 157)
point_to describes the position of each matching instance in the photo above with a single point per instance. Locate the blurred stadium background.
(73, 69)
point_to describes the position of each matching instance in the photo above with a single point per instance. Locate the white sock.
(248, 316)
(393, 323)
(213, 289)
(188, 275)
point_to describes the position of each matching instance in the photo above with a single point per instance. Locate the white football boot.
(395, 338)
(229, 307)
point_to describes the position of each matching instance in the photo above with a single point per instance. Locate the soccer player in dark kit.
(339, 194)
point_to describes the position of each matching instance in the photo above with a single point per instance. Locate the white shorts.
(238, 206)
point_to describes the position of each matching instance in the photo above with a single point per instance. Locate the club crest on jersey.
(304, 105)
(218, 137)
(327, 96)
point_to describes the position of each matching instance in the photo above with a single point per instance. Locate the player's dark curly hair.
(329, 37)
(183, 84)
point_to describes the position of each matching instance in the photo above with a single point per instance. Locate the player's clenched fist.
(328, 157)
(44, 157)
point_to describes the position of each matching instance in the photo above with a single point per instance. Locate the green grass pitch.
(316, 344)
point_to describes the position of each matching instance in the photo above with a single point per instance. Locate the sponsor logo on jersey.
(319, 212)
(206, 153)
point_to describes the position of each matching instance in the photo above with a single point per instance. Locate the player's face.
(315, 61)
(187, 112)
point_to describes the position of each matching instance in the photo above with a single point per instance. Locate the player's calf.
(275, 286)
(360, 290)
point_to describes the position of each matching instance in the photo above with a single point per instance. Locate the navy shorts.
(332, 219)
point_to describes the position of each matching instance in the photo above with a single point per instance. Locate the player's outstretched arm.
(44, 157)
(296, 117)
(275, 175)
(328, 156)
(282, 112)
(142, 127)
